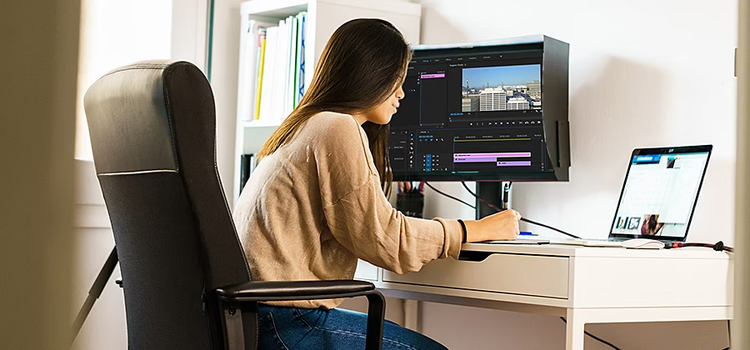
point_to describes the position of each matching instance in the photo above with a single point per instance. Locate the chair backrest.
(153, 136)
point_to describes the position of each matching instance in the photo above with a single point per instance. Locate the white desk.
(582, 284)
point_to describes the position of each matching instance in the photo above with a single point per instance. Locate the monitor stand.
(495, 193)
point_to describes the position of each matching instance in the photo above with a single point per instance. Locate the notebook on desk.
(657, 199)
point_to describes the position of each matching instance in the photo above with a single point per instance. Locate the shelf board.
(273, 8)
(261, 124)
(284, 8)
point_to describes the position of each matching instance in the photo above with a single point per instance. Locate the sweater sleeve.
(360, 216)
(365, 223)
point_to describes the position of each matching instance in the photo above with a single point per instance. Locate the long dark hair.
(359, 68)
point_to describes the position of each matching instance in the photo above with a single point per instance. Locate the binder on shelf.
(247, 165)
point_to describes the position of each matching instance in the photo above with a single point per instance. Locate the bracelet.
(463, 227)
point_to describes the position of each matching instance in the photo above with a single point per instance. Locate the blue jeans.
(289, 328)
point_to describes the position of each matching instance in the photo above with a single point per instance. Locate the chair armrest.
(240, 301)
(293, 290)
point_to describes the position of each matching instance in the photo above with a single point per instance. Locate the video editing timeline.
(470, 112)
(485, 148)
(518, 146)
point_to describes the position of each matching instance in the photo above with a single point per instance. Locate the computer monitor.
(493, 111)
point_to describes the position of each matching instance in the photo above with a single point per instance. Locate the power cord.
(595, 337)
(481, 199)
(522, 218)
(729, 334)
(718, 246)
(449, 196)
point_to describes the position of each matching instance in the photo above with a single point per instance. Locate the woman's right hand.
(501, 226)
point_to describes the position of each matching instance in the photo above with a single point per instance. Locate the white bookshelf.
(323, 17)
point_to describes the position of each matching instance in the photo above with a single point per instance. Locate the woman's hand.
(502, 226)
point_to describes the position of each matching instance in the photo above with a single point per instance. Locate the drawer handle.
(473, 256)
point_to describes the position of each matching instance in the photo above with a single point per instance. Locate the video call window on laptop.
(660, 192)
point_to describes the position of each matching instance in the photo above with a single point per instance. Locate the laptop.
(657, 199)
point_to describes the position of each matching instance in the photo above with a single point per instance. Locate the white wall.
(190, 31)
(642, 73)
(113, 34)
(224, 72)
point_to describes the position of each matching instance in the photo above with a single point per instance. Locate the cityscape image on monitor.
(503, 88)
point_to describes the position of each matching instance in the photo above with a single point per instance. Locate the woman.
(317, 200)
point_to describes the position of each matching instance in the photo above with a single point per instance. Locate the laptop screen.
(660, 192)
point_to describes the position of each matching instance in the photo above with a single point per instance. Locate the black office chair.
(185, 278)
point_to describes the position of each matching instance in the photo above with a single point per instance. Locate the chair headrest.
(129, 108)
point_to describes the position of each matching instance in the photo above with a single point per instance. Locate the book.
(247, 165)
(259, 70)
(291, 67)
(268, 74)
(281, 72)
(302, 28)
(294, 64)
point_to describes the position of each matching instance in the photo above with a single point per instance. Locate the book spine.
(261, 60)
(301, 74)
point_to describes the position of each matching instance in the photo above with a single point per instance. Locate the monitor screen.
(472, 113)
(660, 192)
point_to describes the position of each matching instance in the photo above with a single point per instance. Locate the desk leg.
(574, 331)
(411, 314)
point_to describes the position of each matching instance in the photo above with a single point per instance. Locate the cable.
(550, 227)
(449, 196)
(522, 219)
(729, 334)
(729, 331)
(480, 199)
(718, 246)
(595, 337)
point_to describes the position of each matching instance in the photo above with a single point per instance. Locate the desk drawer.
(533, 275)
(366, 271)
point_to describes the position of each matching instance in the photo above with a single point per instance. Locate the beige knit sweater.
(315, 205)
